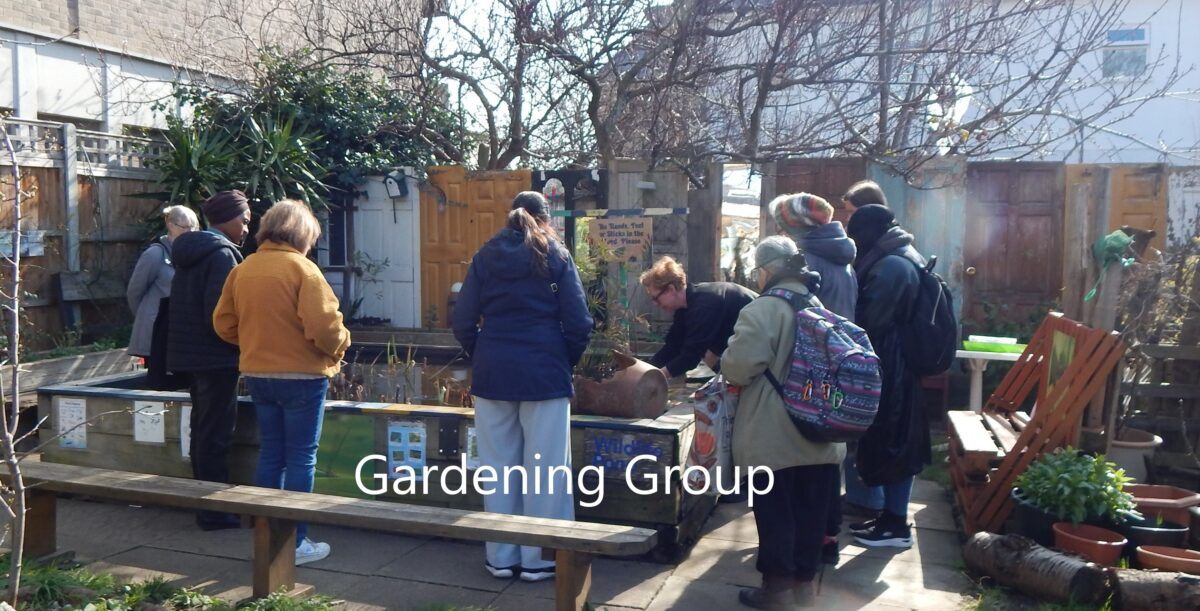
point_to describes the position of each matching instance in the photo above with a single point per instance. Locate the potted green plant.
(1067, 485)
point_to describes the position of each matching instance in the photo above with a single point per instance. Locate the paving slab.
(180, 569)
(930, 546)
(235, 585)
(448, 563)
(618, 583)
(727, 562)
(387, 593)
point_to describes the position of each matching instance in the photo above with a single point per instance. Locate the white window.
(1125, 55)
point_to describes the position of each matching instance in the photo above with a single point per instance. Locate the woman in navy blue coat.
(522, 318)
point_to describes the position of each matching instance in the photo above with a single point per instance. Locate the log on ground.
(1157, 591)
(1019, 563)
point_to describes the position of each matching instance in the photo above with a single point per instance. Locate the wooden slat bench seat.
(276, 511)
(991, 448)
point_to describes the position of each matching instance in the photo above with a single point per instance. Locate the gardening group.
(205, 317)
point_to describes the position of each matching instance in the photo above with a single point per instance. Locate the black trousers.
(791, 520)
(214, 416)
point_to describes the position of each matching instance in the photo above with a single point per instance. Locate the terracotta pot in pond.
(1099, 545)
(637, 390)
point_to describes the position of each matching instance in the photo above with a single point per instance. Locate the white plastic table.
(977, 363)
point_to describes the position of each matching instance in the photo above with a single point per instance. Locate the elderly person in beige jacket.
(790, 517)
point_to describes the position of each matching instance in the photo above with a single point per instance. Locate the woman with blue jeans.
(278, 308)
(522, 318)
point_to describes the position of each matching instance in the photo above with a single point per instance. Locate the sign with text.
(627, 239)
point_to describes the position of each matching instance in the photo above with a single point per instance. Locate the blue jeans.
(857, 492)
(289, 413)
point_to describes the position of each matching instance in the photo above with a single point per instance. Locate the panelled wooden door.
(1012, 254)
(1138, 198)
(460, 210)
(828, 178)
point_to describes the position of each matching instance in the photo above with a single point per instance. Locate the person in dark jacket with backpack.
(203, 259)
(703, 316)
(522, 318)
(791, 517)
(896, 446)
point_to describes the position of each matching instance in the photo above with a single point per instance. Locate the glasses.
(660, 293)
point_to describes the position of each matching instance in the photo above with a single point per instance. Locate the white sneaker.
(498, 573)
(537, 574)
(311, 551)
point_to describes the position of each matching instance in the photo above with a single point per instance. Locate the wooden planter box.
(353, 430)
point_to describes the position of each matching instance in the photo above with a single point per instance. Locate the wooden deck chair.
(1068, 364)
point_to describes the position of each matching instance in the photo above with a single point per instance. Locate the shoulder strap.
(798, 301)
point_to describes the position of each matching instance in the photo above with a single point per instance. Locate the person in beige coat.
(790, 517)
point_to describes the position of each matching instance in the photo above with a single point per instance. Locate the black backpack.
(930, 339)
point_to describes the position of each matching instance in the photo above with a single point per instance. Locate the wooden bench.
(990, 449)
(74, 288)
(275, 513)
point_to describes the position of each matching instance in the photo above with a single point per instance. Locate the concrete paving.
(377, 571)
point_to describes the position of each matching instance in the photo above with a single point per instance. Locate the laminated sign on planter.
(715, 405)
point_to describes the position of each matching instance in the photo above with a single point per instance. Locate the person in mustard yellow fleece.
(279, 309)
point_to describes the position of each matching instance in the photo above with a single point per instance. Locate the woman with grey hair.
(151, 279)
(791, 517)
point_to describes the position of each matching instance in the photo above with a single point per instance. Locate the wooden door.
(460, 211)
(1138, 198)
(828, 178)
(1012, 254)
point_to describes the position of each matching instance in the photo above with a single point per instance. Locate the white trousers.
(535, 435)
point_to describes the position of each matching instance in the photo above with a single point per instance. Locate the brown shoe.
(774, 595)
(804, 593)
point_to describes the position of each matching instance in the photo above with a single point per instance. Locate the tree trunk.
(1021, 564)
(1156, 591)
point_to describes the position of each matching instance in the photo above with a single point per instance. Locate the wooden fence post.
(70, 182)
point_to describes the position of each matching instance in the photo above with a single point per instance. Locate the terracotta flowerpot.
(1169, 559)
(637, 390)
(1131, 449)
(1099, 545)
(1194, 537)
(1167, 501)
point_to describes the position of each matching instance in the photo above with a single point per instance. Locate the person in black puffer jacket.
(896, 446)
(203, 259)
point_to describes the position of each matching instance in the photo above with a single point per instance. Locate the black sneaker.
(863, 527)
(889, 531)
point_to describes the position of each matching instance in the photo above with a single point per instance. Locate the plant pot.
(637, 390)
(1099, 545)
(1131, 451)
(1167, 501)
(1147, 532)
(1194, 538)
(1169, 559)
(1030, 521)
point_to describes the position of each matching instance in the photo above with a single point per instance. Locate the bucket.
(1132, 449)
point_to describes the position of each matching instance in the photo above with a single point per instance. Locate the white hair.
(181, 216)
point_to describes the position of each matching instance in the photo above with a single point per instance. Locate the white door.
(386, 251)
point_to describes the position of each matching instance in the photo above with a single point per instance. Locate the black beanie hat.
(224, 206)
(534, 203)
(868, 224)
